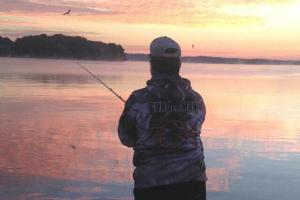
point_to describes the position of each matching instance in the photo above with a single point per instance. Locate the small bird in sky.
(193, 46)
(68, 12)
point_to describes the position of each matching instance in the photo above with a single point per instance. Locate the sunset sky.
(232, 28)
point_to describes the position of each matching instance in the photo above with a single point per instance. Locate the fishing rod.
(104, 84)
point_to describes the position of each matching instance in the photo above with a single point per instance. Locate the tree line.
(60, 46)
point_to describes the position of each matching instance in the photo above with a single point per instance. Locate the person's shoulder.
(197, 96)
(139, 92)
(138, 95)
(193, 94)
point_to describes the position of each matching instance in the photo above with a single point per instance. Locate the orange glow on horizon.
(230, 29)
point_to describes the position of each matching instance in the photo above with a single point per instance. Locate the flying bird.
(193, 45)
(68, 12)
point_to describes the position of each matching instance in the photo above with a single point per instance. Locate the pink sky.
(238, 28)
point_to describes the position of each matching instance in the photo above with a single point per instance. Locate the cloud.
(175, 12)
(55, 6)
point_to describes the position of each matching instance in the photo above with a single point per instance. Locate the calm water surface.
(58, 129)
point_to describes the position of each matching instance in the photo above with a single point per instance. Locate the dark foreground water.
(58, 129)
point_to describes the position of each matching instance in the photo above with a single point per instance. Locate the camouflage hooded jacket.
(162, 122)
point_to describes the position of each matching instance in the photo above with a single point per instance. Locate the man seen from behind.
(162, 123)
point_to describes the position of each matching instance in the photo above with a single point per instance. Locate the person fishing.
(162, 122)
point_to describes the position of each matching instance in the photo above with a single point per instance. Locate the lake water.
(58, 129)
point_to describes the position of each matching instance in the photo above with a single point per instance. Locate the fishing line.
(104, 84)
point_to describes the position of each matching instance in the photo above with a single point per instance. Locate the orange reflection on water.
(218, 179)
(40, 142)
(65, 126)
(261, 107)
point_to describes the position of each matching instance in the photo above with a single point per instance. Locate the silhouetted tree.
(61, 46)
(6, 46)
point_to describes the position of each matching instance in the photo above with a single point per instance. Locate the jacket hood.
(169, 87)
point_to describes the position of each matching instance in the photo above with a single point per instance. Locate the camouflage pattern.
(162, 122)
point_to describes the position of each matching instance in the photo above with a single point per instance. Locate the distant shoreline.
(79, 48)
(58, 59)
(220, 60)
(60, 46)
(185, 59)
(68, 59)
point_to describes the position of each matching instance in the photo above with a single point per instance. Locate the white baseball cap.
(165, 47)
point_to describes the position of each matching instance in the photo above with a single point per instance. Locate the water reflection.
(20, 186)
(58, 129)
(58, 78)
